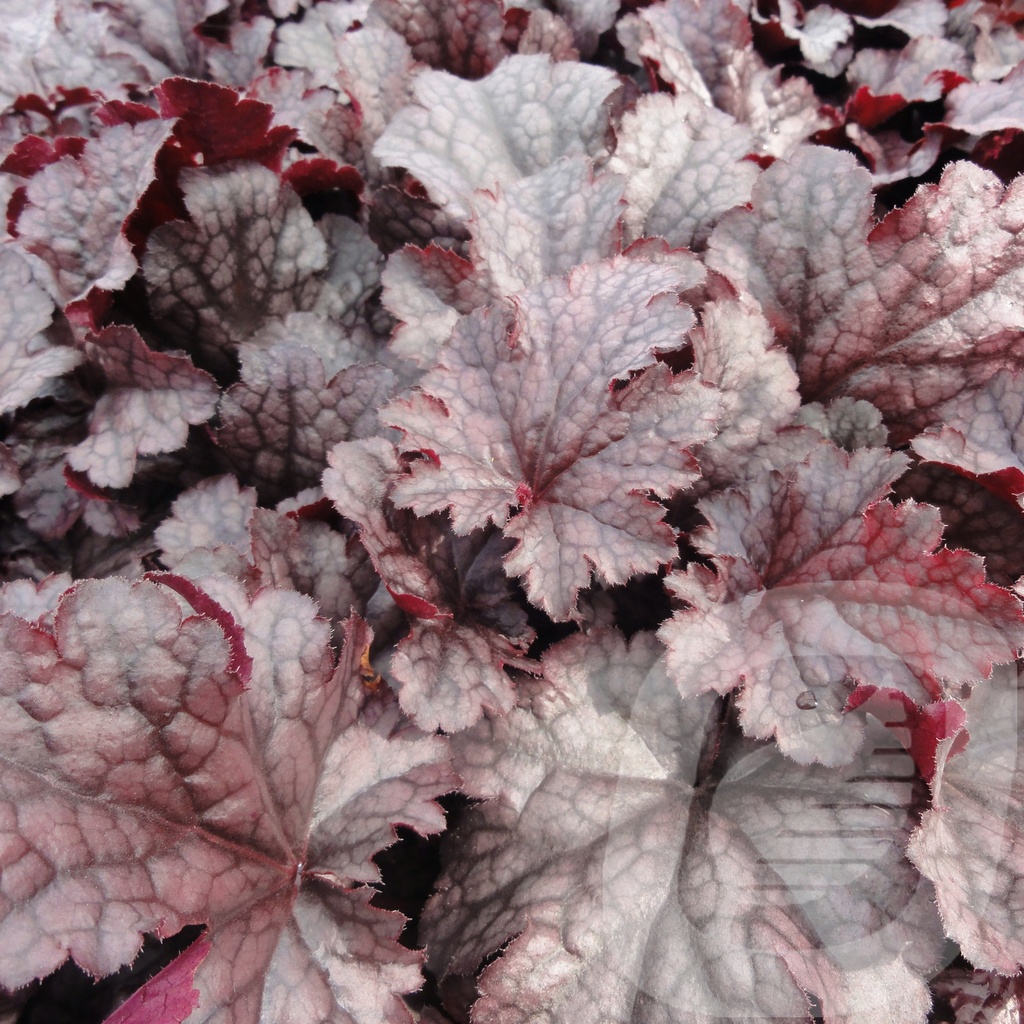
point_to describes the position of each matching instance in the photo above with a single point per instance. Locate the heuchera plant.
(512, 512)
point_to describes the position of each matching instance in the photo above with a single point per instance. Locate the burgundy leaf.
(519, 415)
(168, 997)
(975, 518)
(915, 294)
(215, 125)
(979, 997)
(822, 585)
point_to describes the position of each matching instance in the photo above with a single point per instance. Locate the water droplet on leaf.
(806, 701)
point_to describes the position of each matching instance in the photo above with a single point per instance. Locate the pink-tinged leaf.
(215, 513)
(588, 19)
(166, 30)
(684, 164)
(450, 668)
(459, 136)
(822, 585)
(372, 66)
(28, 361)
(733, 349)
(34, 602)
(891, 158)
(979, 997)
(545, 224)
(321, 117)
(150, 401)
(311, 42)
(519, 413)
(77, 208)
(168, 997)
(352, 275)
(69, 44)
(849, 423)
(980, 107)
(279, 422)
(920, 72)
(429, 290)
(249, 253)
(147, 791)
(706, 50)
(337, 347)
(636, 860)
(923, 731)
(463, 37)
(970, 843)
(906, 316)
(240, 59)
(309, 556)
(912, 17)
(982, 434)
(992, 39)
(548, 33)
(821, 32)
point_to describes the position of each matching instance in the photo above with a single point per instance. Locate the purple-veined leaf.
(249, 253)
(279, 422)
(150, 401)
(76, 209)
(465, 628)
(146, 789)
(464, 37)
(822, 585)
(520, 414)
(920, 292)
